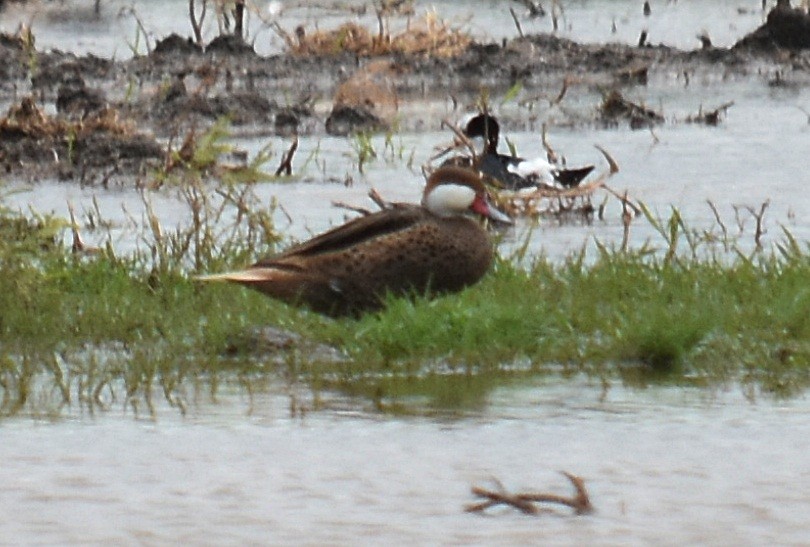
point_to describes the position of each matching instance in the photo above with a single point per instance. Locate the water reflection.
(662, 465)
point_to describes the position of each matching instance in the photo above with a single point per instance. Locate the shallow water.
(756, 154)
(740, 164)
(73, 26)
(662, 466)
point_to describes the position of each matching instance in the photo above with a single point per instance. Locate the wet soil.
(179, 87)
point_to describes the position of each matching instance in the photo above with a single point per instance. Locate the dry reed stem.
(77, 246)
(627, 218)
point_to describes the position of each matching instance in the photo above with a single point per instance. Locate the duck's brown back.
(406, 249)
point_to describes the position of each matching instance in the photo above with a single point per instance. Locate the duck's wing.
(362, 229)
(497, 168)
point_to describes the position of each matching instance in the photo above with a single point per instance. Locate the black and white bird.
(512, 172)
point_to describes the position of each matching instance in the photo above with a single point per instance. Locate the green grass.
(98, 331)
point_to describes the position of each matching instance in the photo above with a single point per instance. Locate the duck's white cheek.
(448, 199)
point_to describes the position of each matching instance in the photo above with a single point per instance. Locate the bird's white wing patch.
(535, 168)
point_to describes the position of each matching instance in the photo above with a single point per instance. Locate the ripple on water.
(663, 465)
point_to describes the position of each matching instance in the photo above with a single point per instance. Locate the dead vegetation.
(563, 203)
(525, 502)
(44, 145)
(26, 119)
(428, 36)
(711, 117)
(615, 108)
(210, 154)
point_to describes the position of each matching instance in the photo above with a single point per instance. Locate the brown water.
(663, 466)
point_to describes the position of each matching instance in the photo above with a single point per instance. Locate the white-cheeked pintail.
(432, 248)
(514, 173)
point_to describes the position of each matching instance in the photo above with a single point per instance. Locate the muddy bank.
(181, 87)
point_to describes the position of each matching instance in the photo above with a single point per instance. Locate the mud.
(180, 86)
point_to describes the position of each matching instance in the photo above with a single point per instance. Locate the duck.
(438, 246)
(511, 172)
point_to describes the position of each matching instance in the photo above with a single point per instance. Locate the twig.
(239, 18)
(614, 166)
(758, 217)
(343, 205)
(552, 101)
(380, 25)
(581, 502)
(656, 140)
(78, 244)
(517, 22)
(284, 35)
(556, 10)
(535, 9)
(285, 166)
(524, 502)
(375, 197)
(719, 220)
(627, 218)
(712, 117)
(143, 30)
(625, 200)
(378, 199)
(550, 153)
(558, 99)
(196, 24)
(286, 213)
(461, 137)
(495, 498)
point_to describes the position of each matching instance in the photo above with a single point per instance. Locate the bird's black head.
(485, 127)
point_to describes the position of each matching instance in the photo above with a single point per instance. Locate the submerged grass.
(99, 330)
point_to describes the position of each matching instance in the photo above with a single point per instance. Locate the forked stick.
(580, 502)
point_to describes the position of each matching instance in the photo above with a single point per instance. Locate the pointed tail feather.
(251, 275)
(572, 177)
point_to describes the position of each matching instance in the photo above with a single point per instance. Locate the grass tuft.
(99, 331)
